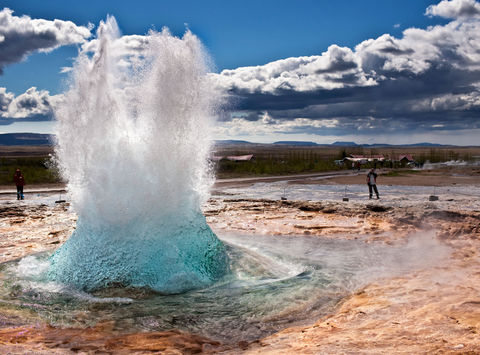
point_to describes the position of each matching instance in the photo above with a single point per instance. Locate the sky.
(371, 71)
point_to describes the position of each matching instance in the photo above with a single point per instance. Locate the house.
(402, 160)
(247, 157)
(217, 158)
(405, 158)
(364, 159)
(356, 159)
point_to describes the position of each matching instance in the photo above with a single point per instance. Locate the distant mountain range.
(423, 144)
(298, 143)
(26, 139)
(335, 144)
(232, 141)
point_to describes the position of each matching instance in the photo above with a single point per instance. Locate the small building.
(247, 157)
(356, 159)
(363, 159)
(405, 158)
(217, 158)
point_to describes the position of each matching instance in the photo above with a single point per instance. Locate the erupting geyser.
(133, 140)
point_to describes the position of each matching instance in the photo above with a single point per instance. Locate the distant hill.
(378, 145)
(345, 144)
(375, 145)
(36, 139)
(299, 143)
(427, 145)
(232, 141)
(26, 139)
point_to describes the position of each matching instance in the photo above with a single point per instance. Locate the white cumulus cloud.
(338, 67)
(32, 104)
(454, 9)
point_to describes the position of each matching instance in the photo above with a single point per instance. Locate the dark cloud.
(32, 105)
(337, 65)
(5, 99)
(427, 80)
(27, 103)
(21, 36)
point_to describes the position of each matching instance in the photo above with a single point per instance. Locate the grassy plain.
(282, 159)
(35, 161)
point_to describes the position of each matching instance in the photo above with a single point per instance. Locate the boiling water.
(276, 282)
(133, 139)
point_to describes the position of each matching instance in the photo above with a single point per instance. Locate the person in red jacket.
(20, 182)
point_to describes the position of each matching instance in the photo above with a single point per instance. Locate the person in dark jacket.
(372, 183)
(20, 182)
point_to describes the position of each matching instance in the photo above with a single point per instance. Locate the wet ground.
(405, 271)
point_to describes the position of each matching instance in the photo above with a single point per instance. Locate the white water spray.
(133, 140)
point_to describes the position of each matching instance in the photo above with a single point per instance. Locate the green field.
(295, 162)
(36, 170)
(37, 167)
(278, 160)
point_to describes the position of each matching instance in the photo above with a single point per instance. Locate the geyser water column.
(133, 140)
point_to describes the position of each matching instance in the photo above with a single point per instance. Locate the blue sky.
(259, 33)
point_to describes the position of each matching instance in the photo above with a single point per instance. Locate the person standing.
(20, 182)
(372, 183)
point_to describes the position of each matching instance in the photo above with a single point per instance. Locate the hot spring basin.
(275, 282)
